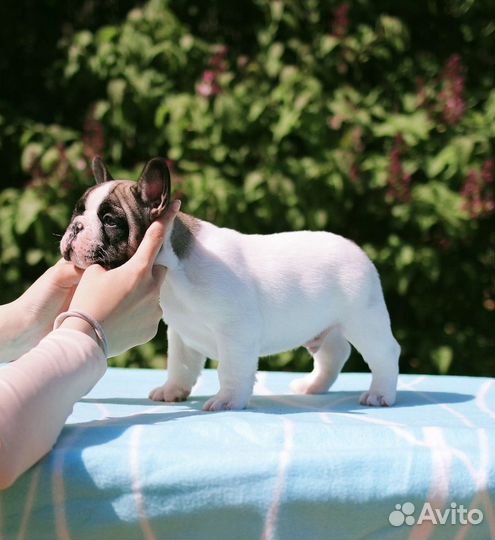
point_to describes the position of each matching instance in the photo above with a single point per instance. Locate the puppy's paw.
(309, 385)
(170, 392)
(376, 399)
(224, 401)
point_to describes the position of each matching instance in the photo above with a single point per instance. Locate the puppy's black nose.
(77, 227)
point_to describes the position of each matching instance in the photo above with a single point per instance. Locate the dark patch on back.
(182, 237)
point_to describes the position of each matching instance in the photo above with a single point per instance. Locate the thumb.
(66, 274)
(153, 239)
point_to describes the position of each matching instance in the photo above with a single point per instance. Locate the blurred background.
(374, 119)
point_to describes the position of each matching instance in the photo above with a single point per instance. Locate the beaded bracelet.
(100, 334)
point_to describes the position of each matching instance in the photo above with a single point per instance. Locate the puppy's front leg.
(183, 365)
(237, 366)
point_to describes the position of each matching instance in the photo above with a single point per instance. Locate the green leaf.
(412, 127)
(34, 256)
(273, 64)
(442, 359)
(30, 206)
(31, 154)
(50, 158)
(327, 44)
(286, 123)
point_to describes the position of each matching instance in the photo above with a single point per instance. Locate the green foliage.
(310, 115)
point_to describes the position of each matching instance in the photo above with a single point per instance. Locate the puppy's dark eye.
(109, 220)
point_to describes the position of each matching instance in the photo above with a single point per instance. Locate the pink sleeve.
(37, 394)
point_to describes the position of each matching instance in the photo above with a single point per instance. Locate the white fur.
(237, 297)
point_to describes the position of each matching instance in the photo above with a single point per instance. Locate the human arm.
(26, 320)
(38, 391)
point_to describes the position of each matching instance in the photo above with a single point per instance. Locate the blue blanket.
(288, 467)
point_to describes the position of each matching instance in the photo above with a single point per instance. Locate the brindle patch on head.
(126, 196)
(124, 222)
(81, 203)
(183, 232)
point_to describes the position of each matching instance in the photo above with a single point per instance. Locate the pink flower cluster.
(340, 25)
(398, 181)
(447, 94)
(451, 96)
(209, 86)
(478, 191)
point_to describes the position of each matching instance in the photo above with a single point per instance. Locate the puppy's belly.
(282, 338)
(281, 335)
(203, 341)
(290, 321)
(287, 322)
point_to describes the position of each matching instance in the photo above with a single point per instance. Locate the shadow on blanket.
(405, 398)
(343, 401)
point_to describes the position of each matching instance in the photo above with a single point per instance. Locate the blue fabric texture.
(288, 467)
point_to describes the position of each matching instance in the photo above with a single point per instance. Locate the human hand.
(51, 294)
(125, 300)
(25, 321)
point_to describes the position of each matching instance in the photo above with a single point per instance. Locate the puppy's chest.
(186, 311)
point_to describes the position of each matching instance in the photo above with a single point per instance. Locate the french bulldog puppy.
(236, 297)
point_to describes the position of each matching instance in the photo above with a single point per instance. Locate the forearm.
(16, 336)
(24, 322)
(37, 394)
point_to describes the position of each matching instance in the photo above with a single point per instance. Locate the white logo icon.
(402, 514)
(454, 514)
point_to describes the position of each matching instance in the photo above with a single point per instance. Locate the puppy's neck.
(179, 241)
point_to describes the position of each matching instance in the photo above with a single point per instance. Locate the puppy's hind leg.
(373, 338)
(329, 358)
(183, 365)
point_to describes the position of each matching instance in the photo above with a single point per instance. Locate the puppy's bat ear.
(154, 186)
(100, 171)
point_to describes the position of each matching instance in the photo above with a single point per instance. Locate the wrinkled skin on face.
(110, 219)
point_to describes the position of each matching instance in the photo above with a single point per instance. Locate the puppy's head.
(110, 219)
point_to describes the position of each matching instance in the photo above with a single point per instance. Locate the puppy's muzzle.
(73, 231)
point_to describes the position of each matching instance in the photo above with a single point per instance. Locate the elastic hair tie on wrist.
(100, 334)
